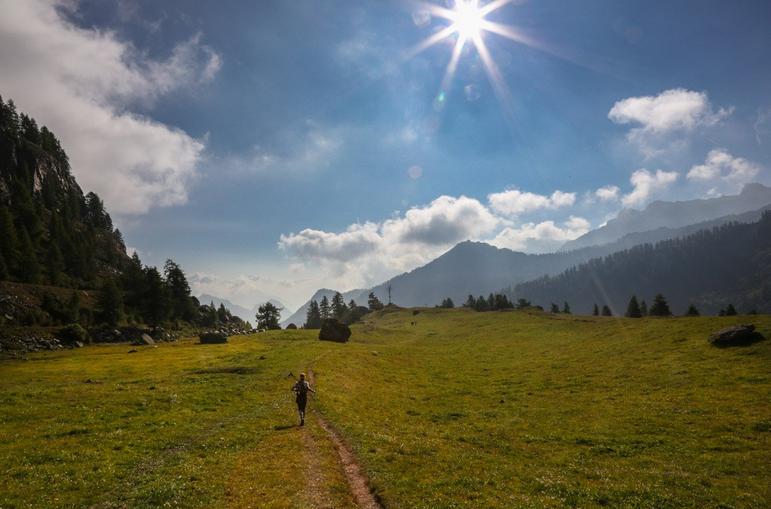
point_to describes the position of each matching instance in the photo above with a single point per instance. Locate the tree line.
(337, 308)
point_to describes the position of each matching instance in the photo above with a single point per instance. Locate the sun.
(468, 19)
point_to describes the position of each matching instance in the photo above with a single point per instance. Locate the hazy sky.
(282, 146)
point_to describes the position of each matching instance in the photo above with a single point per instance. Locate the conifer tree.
(28, 267)
(109, 304)
(692, 311)
(606, 311)
(566, 308)
(55, 264)
(555, 308)
(373, 302)
(156, 301)
(470, 302)
(324, 310)
(596, 311)
(313, 316)
(660, 307)
(633, 309)
(730, 310)
(643, 308)
(268, 316)
(338, 306)
(4, 274)
(179, 290)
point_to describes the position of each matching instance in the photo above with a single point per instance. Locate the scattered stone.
(92, 381)
(262, 358)
(742, 334)
(133, 350)
(212, 338)
(145, 339)
(334, 330)
(375, 352)
(77, 344)
(291, 326)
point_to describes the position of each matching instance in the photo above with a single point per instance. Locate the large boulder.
(212, 338)
(334, 330)
(291, 326)
(742, 334)
(145, 339)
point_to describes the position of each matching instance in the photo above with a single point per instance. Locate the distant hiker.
(301, 387)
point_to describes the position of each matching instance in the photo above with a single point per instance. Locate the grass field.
(462, 409)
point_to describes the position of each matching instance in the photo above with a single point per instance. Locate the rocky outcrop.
(212, 338)
(334, 330)
(737, 335)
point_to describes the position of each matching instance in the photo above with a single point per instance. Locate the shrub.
(74, 332)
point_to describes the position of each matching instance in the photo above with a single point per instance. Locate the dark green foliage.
(643, 308)
(373, 302)
(692, 311)
(268, 316)
(633, 309)
(596, 311)
(156, 303)
(660, 307)
(54, 264)
(4, 274)
(324, 309)
(109, 304)
(182, 306)
(471, 302)
(494, 302)
(9, 247)
(521, 303)
(555, 308)
(447, 303)
(566, 308)
(606, 311)
(313, 316)
(28, 268)
(730, 310)
(338, 306)
(72, 333)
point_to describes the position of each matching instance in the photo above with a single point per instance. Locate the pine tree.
(109, 304)
(555, 308)
(9, 247)
(223, 315)
(643, 308)
(179, 290)
(596, 310)
(156, 304)
(730, 310)
(134, 283)
(606, 311)
(268, 316)
(313, 316)
(373, 302)
(338, 306)
(633, 309)
(566, 308)
(660, 307)
(4, 274)
(324, 310)
(692, 311)
(470, 302)
(28, 269)
(55, 264)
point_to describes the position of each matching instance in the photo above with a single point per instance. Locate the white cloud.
(645, 184)
(512, 202)
(372, 252)
(82, 83)
(722, 165)
(666, 120)
(542, 237)
(607, 193)
(762, 129)
(676, 109)
(244, 290)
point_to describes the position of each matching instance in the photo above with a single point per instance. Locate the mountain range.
(477, 268)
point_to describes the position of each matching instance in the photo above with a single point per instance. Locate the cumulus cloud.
(607, 193)
(374, 251)
(244, 290)
(82, 84)
(672, 110)
(645, 184)
(542, 237)
(513, 202)
(676, 111)
(722, 165)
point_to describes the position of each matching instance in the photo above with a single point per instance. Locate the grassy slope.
(463, 409)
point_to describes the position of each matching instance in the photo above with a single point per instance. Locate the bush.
(74, 332)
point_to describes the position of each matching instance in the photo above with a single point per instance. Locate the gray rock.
(334, 330)
(144, 339)
(742, 334)
(133, 350)
(212, 338)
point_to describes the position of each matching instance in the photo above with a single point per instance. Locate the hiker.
(301, 387)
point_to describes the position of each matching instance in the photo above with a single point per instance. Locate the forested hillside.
(54, 237)
(710, 269)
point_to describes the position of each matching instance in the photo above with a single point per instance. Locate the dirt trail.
(354, 473)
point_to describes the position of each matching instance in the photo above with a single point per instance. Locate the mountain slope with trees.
(710, 269)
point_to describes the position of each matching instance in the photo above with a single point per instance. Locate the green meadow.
(459, 410)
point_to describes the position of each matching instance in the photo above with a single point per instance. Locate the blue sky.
(274, 148)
